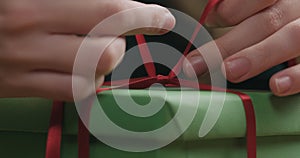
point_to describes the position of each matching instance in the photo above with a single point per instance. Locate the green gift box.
(24, 124)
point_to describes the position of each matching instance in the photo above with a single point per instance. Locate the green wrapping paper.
(24, 124)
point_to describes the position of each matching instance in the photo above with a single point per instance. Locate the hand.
(39, 41)
(266, 33)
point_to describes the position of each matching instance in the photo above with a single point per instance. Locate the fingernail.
(283, 84)
(195, 66)
(237, 68)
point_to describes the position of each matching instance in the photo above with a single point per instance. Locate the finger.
(249, 32)
(232, 12)
(286, 82)
(52, 85)
(58, 53)
(258, 27)
(276, 49)
(82, 17)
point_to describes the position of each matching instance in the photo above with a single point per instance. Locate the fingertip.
(170, 21)
(188, 69)
(281, 85)
(237, 69)
(162, 21)
(163, 17)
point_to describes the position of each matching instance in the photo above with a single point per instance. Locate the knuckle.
(273, 19)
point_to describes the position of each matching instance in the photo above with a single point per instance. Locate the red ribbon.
(54, 134)
(55, 131)
(83, 140)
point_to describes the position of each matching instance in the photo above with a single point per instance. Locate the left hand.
(266, 33)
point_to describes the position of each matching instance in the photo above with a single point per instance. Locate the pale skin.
(39, 41)
(266, 33)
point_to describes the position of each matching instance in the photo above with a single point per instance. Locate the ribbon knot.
(164, 80)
